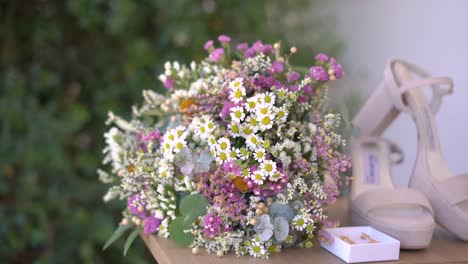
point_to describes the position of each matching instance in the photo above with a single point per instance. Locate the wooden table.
(443, 249)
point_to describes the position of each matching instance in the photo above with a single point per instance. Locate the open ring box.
(384, 247)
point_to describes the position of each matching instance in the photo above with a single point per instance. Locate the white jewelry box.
(386, 248)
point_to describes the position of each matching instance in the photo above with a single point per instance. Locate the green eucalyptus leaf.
(117, 233)
(177, 234)
(193, 206)
(130, 240)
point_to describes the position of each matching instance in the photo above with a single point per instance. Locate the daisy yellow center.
(235, 129)
(236, 84)
(267, 99)
(238, 114)
(280, 114)
(210, 125)
(167, 145)
(260, 154)
(180, 132)
(171, 137)
(281, 94)
(223, 156)
(164, 174)
(266, 120)
(300, 222)
(268, 167)
(267, 143)
(238, 94)
(179, 145)
(223, 145)
(202, 129)
(253, 140)
(233, 154)
(264, 110)
(213, 141)
(256, 249)
(253, 122)
(258, 176)
(247, 130)
(252, 104)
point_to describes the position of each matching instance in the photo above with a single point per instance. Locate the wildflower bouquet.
(237, 155)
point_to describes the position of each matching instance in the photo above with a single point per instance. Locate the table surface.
(443, 249)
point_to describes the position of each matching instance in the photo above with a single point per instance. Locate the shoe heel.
(377, 113)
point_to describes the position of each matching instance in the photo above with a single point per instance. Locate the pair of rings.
(363, 236)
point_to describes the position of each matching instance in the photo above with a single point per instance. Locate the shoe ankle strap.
(441, 86)
(397, 155)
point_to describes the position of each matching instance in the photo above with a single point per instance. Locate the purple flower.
(321, 57)
(224, 39)
(134, 203)
(249, 53)
(293, 88)
(211, 223)
(258, 46)
(303, 99)
(338, 69)
(293, 76)
(318, 73)
(267, 48)
(152, 224)
(216, 55)
(277, 67)
(232, 167)
(242, 47)
(208, 45)
(308, 90)
(169, 83)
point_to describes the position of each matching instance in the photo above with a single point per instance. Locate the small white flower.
(243, 153)
(252, 121)
(234, 129)
(257, 176)
(237, 114)
(251, 104)
(275, 177)
(260, 154)
(256, 249)
(223, 156)
(267, 98)
(268, 167)
(281, 114)
(223, 144)
(299, 222)
(253, 141)
(237, 90)
(265, 121)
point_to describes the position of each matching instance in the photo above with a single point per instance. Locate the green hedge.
(64, 64)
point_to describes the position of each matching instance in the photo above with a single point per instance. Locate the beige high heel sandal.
(404, 214)
(401, 91)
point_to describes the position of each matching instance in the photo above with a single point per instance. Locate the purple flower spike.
(208, 45)
(224, 39)
(321, 57)
(338, 69)
(293, 76)
(249, 53)
(242, 47)
(318, 73)
(267, 48)
(216, 55)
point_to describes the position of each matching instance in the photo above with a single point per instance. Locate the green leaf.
(193, 206)
(176, 231)
(130, 240)
(117, 233)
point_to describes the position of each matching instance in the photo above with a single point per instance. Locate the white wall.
(433, 34)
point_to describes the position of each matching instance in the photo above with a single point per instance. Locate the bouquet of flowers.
(239, 154)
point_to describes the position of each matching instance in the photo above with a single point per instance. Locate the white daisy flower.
(237, 90)
(253, 141)
(237, 114)
(281, 114)
(275, 177)
(234, 129)
(252, 121)
(260, 154)
(258, 177)
(267, 98)
(246, 130)
(263, 109)
(299, 222)
(222, 156)
(251, 104)
(223, 144)
(268, 167)
(256, 249)
(265, 121)
(243, 153)
(179, 144)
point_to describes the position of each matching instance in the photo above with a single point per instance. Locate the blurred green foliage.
(64, 64)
